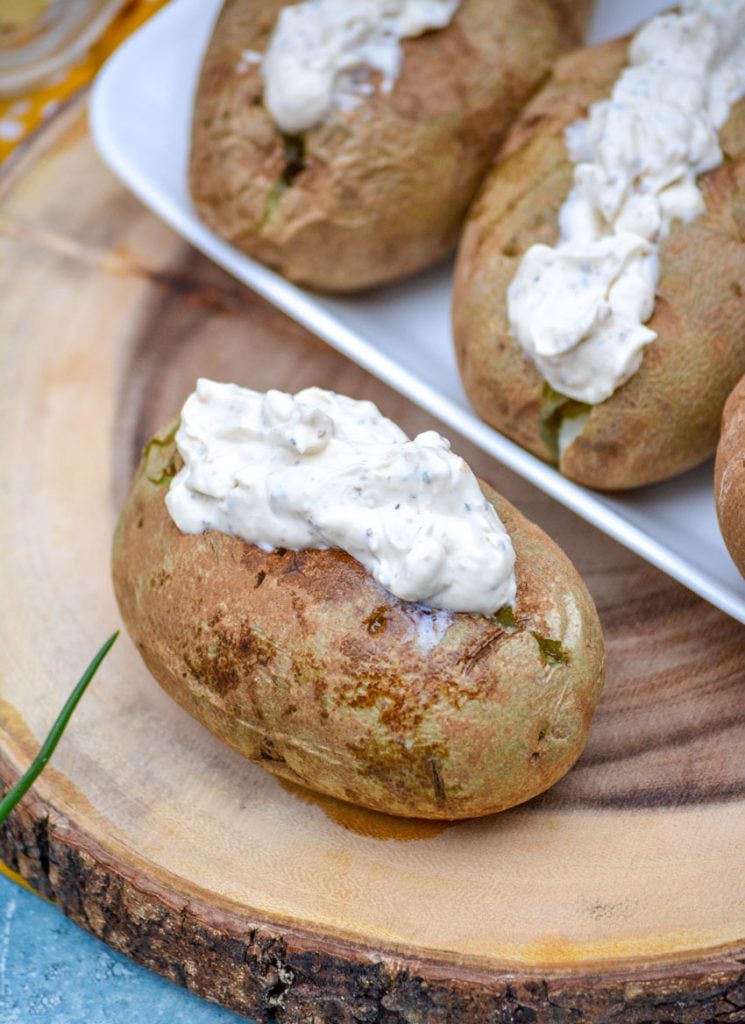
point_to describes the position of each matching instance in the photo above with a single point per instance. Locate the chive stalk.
(27, 780)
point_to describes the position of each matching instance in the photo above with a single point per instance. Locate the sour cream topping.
(321, 52)
(578, 310)
(319, 470)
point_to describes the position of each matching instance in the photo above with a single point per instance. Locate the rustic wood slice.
(619, 895)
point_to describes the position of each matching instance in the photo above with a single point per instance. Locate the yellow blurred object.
(14, 13)
(20, 115)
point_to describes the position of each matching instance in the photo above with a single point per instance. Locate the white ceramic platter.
(141, 115)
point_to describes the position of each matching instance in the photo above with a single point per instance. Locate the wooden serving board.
(618, 895)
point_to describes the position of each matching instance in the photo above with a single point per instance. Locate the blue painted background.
(52, 972)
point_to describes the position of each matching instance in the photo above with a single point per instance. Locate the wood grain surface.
(618, 895)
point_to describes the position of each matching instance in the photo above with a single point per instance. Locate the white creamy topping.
(319, 470)
(321, 52)
(578, 310)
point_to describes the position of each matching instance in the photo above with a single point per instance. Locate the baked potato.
(304, 664)
(729, 476)
(664, 419)
(378, 191)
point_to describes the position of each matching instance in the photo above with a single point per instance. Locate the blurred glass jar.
(42, 38)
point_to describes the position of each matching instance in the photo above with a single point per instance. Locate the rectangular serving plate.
(141, 118)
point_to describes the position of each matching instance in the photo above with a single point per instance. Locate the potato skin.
(729, 476)
(304, 664)
(665, 419)
(383, 188)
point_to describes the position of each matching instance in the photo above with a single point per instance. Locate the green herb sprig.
(27, 780)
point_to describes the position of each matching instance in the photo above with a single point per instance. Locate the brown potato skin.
(304, 664)
(665, 419)
(386, 186)
(729, 476)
